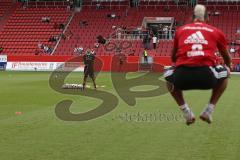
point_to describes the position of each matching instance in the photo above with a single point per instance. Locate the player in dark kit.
(88, 60)
(196, 64)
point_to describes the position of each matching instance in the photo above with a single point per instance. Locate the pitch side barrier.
(104, 63)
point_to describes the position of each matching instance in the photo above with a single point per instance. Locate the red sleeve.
(221, 41)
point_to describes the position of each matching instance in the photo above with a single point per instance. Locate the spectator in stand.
(39, 48)
(93, 52)
(62, 35)
(170, 33)
(78, 50)
(61, 26)
(53, 39)
(238, 30)
(216, 13)
(83, 23)
(1, 49)
(160, 32)
(46, 19)
(238, 67)
(145, 56)
(119, 34)
(40, 45)
(47, 49)
(98, 6)
(113, 16)
(154, 40)
(232, 50)
(71, 4)
(101, 39)
(165, 32)
(123, 28)
(96, 45)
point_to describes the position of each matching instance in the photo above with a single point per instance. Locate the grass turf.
(37, 134)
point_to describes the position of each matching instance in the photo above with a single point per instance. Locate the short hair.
(200, 12)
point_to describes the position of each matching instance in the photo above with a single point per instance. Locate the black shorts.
(186, 78)
(88, 71)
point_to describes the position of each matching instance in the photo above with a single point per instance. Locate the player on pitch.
(196, 65)
(88, 60)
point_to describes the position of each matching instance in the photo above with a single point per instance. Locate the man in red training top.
(195, 63)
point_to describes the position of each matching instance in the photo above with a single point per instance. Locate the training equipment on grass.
(78, 86)
(72, 86)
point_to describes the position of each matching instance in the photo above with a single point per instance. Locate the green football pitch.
(153, 129)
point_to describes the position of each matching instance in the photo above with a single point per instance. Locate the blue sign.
(3, 62)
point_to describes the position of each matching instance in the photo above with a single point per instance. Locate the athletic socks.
(188, 114)
(185, 107)
(206, 114)
(209, 108)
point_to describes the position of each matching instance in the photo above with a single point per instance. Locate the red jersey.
(197, 44)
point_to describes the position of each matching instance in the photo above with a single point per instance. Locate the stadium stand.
(24, 29)
(227, 21)
(100, 24)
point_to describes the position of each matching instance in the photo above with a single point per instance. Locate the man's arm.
(173, 56)
(222, 47)
(226, 57)
(175, 48)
